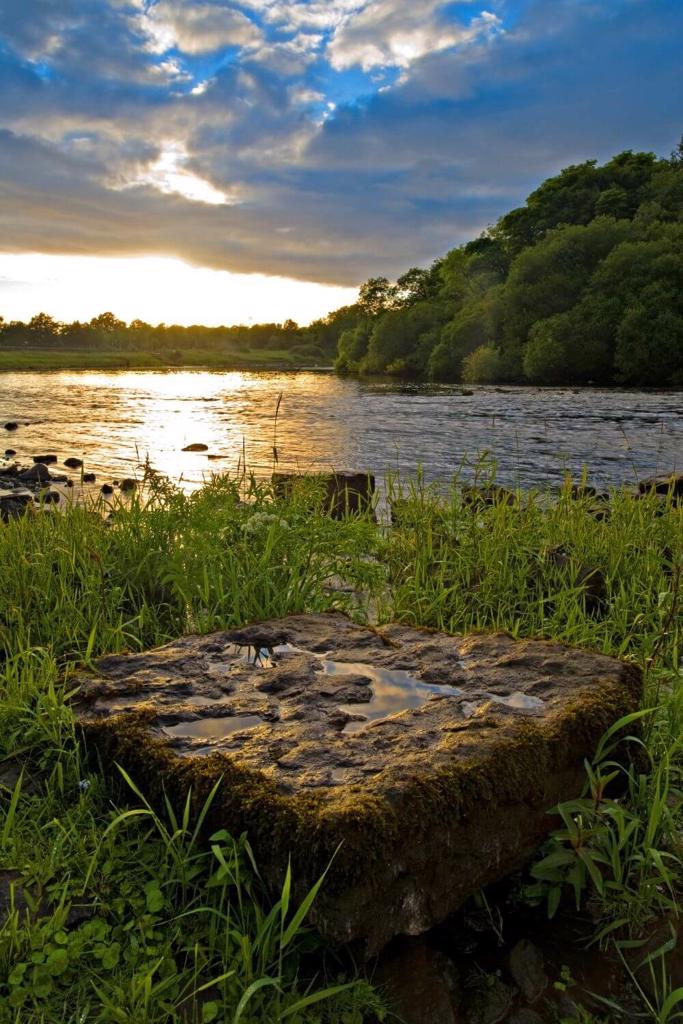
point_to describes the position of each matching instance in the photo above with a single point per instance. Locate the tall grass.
(124, 913)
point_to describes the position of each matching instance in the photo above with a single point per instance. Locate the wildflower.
(84, 785)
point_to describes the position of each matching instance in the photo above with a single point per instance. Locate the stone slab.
(421, 765)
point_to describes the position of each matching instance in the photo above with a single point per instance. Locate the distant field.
(58, 360)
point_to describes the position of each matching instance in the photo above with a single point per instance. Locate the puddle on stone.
(213, 728)
(517, 700)
(393, 690)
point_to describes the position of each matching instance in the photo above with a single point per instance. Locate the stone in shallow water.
(422, 765)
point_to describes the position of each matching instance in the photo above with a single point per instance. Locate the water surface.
(116, 419)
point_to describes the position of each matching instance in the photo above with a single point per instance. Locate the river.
(113, 420)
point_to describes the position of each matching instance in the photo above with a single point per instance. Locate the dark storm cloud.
(92, 97)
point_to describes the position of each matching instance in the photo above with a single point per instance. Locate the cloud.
(107, 147)
(395, 33)
(197, 28)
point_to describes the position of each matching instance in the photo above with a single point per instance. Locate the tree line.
(582, 284)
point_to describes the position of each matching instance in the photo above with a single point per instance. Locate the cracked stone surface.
(432, 759)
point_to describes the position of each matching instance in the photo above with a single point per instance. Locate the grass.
(58, 359)
(123, 912)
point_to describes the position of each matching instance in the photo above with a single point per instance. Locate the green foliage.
(582, 284)
(483, 366)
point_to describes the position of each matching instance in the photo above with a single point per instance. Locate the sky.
(215, 162)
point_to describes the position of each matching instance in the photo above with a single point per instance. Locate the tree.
(376, 295)
(483, 366)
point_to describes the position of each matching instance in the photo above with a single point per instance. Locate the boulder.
(196, 447)
(36, 474)
(13, 505)
(9, 453)
(73, 463)
(417, 766)
(45, 460)
(89, 478)
(107, 489)
(671, 483)
(128, 484)
(343, 493)
(11, 426)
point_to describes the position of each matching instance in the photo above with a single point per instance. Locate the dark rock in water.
(36, 474)
(581, 491)
(69, 482)
(196, 447)
(9, 452)
(107, 489)
(128, 484)
(13, 505)
(466, 392)
(73, 463)
(418, 766)
(11, 426)
(673, 483)
(480, 496)
(45, 460)
(342, 493)
(89, 478)
(50, 497)
(421, 985)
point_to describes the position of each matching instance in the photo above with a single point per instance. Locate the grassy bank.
(131, 917)
(256, 359)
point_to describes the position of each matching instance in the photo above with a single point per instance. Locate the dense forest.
(583, 284)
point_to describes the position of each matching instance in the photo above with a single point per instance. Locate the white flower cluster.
(263, 521)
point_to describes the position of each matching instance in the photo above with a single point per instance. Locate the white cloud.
(395, 33)
(169, 175)
(197, 27)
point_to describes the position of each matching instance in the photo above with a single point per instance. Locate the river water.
(113, 420)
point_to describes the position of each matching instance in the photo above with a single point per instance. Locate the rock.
(592, 582)
(526, 968)
(13, 505)
(45, 460)
(343, 493)
(50, 497)
(525, 1016)
(431, 759)
(672, 483)
(73, 463)
(107, 489)
(480, 496)
(89, 478)
(128, 484)
(196, 447)
(580, 492)
(489, 1001)
(466, 392)
(420, 984)
(36, 474)
(11, 426)
(69, 482)
(9, 453)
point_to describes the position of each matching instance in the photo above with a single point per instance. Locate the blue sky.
(324, 141)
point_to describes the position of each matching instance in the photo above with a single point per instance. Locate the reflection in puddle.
(213, 728)
(393, 690)
(517, 700)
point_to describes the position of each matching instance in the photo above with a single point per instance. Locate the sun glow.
(156, 289)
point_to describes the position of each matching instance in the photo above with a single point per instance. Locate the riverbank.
(129, 915)
(55, 359)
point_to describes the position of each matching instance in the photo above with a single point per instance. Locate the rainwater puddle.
(517, 700)
(213, 728)
(393, 690)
